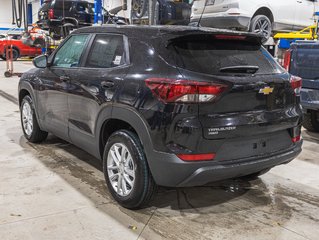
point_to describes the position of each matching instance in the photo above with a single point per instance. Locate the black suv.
(165, 105)
(53, 14)
(302, 60)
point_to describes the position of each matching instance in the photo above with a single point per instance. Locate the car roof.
(173, 31)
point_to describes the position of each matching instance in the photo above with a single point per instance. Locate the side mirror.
(40, 61)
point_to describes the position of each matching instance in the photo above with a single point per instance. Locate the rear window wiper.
(240, 69)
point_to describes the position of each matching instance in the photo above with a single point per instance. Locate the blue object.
(285, 43)
(316, 13)
(97, 11)
(30, 13)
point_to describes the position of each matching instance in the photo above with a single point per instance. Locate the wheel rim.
(263, 26)
(121, 169)
(27, 118)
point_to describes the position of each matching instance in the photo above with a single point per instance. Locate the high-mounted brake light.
(296, 83)
(51, 14)
(229, 37)
(184, 91)
(287, 60)
(197, 157)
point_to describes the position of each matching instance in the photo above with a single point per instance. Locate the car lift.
(309, 33)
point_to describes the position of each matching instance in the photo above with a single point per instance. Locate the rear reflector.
(296, 83)
(296, 139)
(184, 91)
(197, 157)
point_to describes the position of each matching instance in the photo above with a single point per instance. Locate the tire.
(143, 186)
(311, 121)
(261, 24)
(15, 54)
(32, 132)
(3, 57)
(255, 175)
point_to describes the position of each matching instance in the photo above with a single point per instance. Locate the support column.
(97, 11)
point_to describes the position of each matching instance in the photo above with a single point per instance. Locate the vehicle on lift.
(165, 105)
(72, 14)
(54, 14)
(19, 49)
(302, 59)
(259, 16)
(166, 12)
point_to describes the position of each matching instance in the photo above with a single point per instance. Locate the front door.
(55, 86)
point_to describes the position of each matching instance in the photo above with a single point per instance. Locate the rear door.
(94, 87)
(259, 99)
(304, 14)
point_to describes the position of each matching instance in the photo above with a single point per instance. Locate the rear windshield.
(305, 63)
(211, 56)
(46, 5)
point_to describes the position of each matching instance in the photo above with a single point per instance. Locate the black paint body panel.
(252, 129)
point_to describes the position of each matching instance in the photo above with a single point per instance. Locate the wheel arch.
(124, 118)
(24, 89)
(266, 12)
(13, 47)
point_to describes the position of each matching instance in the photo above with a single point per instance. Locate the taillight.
(287, 60)
(296, 139)
(197, 157)
(296, 83)
(184, 91)
(51, 14)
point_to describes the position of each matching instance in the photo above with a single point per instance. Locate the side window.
(107, 51)
(70, 53)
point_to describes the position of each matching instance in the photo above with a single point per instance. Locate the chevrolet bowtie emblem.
(266, 90)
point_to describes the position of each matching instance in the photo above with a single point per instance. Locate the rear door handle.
(64, 78)
(107, 84)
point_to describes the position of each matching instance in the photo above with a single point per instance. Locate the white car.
(261, 16)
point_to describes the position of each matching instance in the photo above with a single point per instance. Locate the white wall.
(5, 14)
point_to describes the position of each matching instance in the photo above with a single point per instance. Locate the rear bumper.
(173, 172)
(46, 24)
(224, 21)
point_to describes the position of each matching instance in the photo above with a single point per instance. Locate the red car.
(18, 48)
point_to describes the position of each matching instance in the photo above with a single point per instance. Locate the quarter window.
(107, 51)
(70, 53)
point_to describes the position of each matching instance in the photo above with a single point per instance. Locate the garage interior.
(57, 190)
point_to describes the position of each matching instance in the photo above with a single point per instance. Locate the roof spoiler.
(252, 38)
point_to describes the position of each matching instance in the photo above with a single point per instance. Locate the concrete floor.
(56, 191)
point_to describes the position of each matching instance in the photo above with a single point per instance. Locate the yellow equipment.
(309, 33)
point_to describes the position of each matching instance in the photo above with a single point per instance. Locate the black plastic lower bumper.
(227, 22)
(169, 170)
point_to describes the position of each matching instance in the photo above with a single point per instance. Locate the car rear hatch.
(304, 63)
(43, 11)
(257, 111)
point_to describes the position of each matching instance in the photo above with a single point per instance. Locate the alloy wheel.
(27, 118)
(263, 26)
(121, 169)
